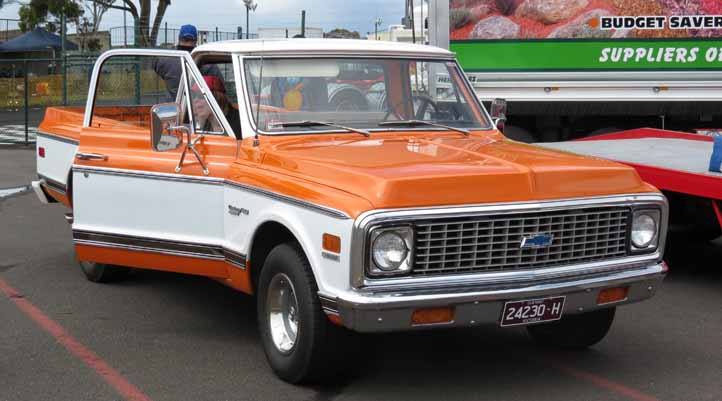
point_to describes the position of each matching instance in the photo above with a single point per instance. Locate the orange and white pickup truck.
(335, 181)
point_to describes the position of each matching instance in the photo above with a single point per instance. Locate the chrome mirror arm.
(190, 145)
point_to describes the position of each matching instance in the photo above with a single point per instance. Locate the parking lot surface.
(161, 336)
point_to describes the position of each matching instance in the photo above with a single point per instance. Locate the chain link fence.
(125, 36)
(28, 86)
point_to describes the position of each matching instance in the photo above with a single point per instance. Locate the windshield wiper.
(311, 123)
(412, 123)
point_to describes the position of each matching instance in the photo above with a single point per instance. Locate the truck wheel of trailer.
(692, 219)
(300, 343)
(519, 134)
(574, 331)
(103, 273)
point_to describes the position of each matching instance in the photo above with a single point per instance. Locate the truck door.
(140, 206)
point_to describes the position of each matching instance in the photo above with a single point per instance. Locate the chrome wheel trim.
(282, 310)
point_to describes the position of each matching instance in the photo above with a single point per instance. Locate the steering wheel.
(424, 101)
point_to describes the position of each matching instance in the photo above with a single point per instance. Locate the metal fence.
(125, 36)
(29, 86)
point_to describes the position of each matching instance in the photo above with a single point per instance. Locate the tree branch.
(159, 13)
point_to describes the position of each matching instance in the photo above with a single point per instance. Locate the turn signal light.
(610, 295)
(433, 315)
(331, 243)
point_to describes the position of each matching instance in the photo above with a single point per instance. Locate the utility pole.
(65, 59)
(125, 29)
(377, 23)
(303, 23)
(410, 20)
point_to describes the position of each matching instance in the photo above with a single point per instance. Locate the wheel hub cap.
(282, 308)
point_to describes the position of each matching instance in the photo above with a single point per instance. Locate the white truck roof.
(323, 47)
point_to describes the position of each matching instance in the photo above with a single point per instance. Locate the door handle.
(90, 156)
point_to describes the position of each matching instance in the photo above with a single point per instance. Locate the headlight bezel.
(406, 232)
(656, 215)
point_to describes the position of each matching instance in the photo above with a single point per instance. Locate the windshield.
(359, 93)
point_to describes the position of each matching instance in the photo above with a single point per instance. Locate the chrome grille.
(493, 243)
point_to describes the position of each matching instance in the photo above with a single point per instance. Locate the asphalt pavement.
(162, 336)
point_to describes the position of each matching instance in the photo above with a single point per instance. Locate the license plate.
(532, 311)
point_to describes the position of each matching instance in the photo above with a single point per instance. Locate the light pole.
(377, 24)
(250, 6)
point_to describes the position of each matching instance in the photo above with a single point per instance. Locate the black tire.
(602, 131)
(103, 273)
(692, 219)
(574, 331)
(311, 357)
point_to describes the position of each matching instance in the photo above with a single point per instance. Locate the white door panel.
(159, 208)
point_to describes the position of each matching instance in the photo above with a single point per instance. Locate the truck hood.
(416, 170)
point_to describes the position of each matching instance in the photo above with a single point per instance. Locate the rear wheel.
(574, 331)
(103, 273)
(298, 339)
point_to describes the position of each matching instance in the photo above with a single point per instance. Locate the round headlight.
(389, 251)
(644, 230)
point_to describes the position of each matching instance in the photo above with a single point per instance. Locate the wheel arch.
(269, 234)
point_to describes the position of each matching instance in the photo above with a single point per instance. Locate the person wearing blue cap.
(170, 68)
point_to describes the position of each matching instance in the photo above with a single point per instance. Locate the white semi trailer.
(566, 75)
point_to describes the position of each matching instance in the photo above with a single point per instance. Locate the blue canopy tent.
(37, 40)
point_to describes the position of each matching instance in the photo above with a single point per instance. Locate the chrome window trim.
(373, 218)
(325, 210)
(187, 66)
(249, 106)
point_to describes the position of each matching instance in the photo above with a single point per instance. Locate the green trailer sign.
(588, 55)
(559, 35)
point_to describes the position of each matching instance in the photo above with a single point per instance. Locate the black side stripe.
(54, 185)
(174, 248)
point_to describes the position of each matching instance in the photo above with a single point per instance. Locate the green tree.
(340, 33)
(48, 13)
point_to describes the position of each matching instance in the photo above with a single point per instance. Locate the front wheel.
(574, 331)
(297, 337)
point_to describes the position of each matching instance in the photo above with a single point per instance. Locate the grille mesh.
(493, 243)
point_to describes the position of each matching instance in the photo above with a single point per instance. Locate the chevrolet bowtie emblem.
(536, 241)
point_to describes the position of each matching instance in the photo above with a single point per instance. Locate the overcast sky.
(229, 14)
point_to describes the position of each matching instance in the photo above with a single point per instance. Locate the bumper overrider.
(389, 304)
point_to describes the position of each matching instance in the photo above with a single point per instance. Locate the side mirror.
(498, 113)
(164, 134)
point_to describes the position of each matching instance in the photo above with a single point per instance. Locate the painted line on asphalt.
(95, 362)
(604, 383)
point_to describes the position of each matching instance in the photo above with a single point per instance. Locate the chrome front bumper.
(380, 311)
